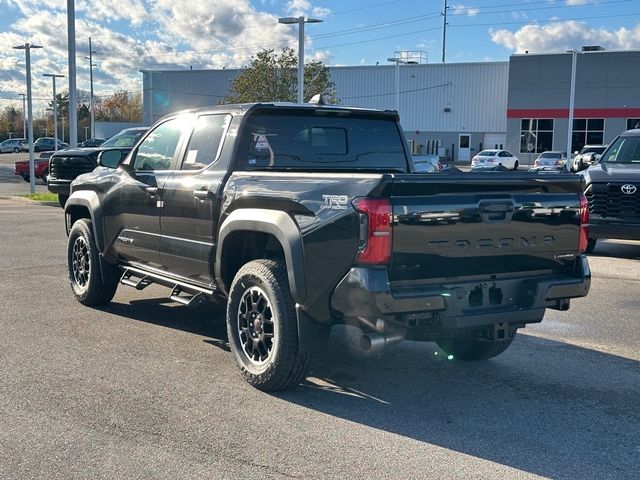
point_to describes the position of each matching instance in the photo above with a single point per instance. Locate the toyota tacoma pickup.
(613, 191)
(300, 217)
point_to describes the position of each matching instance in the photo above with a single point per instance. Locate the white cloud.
(576, 2)
(300, 8)
(459, 9)
(161, 34)
(561, 36)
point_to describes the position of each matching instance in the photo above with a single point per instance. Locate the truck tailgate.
(482, 224)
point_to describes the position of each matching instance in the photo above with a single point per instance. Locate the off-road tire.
(62, 199)
(98, 286)
(591, 244)
(475, 349)
(283, 366)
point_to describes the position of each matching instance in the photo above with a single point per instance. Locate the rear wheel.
(26, 178)
(92, 282)
(591, 244)
(262, 327)
(475, 349)
(45, 177)
(16, 150)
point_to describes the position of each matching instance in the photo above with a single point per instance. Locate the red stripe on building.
(577, 113)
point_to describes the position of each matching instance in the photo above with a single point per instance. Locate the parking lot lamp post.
(55, 108)
(300, 21)
(397, 61)
(572, 95)
(32, 173)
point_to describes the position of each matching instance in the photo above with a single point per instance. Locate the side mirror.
(110, 158)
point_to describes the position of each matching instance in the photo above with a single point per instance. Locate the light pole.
(27, 51)
(62, 120)
(91, 65)
(73, 103)
(85, 133)
(24, 114)
(300, 21)
(55, 108)
(397, 61)
(572, 95)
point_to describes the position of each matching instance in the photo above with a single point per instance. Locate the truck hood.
(607, 172)
(76, 152)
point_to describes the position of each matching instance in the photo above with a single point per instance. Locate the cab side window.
(206, 141)
(157, 150)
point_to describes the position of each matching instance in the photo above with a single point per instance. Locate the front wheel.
(92, 282)
(516, 164)
(591, 244)
(16, 150)
(62, 199)
(262, 327)
(475, 349)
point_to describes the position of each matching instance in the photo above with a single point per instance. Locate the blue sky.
(133, 34)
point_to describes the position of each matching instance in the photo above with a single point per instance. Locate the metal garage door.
(494, 140)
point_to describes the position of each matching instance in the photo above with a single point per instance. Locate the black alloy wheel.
(262, 327)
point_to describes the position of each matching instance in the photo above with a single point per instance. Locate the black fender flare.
(281, 226)
(89, 200)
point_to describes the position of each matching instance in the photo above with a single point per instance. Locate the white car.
(551, 159)
(494, 158)
(586, 157)
(12, 145)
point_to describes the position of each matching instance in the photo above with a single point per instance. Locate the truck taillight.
(375, 232)
(584, 224)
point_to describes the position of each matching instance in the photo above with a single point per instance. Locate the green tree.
(272, 77)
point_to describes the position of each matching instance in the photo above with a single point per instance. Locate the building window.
(587, 131)
(536, 135)
(633, 123)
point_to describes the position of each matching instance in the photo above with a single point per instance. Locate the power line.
(432, 87)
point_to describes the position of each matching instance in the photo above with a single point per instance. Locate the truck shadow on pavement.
(617, 249)
(544, 407)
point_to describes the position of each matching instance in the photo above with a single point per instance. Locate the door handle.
(201, 193)
(152, 190)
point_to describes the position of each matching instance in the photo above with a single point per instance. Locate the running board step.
(189, 299)
(139, 283)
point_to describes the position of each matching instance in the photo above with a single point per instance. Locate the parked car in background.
(588, 155)
(41, 166)
(550, 159)
(66, 165)
(92, 142)
(613, 191)
(427, 163)
(48, 143)
(12, 145)
(493, 158)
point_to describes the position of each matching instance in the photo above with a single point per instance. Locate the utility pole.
(91, 65)
(55, 108)
(85, 133)
(62, 119)
(32, 171)
(397, 61)
(444, 31)
(73, 102)
(572, 96)
(24, 114)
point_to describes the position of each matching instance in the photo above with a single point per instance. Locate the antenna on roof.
(317, 100)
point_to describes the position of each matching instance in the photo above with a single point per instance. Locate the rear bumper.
(366, 293)
(59, 186)
(612, 228)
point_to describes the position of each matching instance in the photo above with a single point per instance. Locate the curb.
(28, 201)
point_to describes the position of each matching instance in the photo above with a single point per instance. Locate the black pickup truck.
(613, 191)
(300, 217)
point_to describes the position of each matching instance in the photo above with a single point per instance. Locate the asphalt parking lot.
(145, 388)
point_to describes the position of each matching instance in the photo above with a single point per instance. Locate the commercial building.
(607, 99)
(444, 108)
(457, 109)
